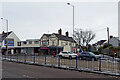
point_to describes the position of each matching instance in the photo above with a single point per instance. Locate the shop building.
(8, 41)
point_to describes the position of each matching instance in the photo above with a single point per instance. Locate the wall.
(53, 38)
(114, 42)
(44, 37)
(30, 45)
(12, 36)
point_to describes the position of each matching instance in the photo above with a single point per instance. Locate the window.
(19, 43)
(36, 42)
(44, 43)
(24, 42)
(52, 42)
(69, 43)
(30, 42)
(66, 43)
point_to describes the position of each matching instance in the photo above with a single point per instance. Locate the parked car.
(69, 55)
(88, 56)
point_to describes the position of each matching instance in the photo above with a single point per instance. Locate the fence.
(105, 66)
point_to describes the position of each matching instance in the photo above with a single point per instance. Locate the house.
(8, 41)
(56, 42)
(114, 41)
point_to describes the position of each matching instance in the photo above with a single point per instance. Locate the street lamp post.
(73, 22)
(108, 40)
(7, 33)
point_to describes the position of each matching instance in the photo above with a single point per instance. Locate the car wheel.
(70, 57)
(93, 59)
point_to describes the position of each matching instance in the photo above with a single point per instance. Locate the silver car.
(69, 55)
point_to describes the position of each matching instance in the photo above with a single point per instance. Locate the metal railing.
(108, 66)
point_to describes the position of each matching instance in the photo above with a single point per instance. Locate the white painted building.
(115, 41)
(11, 41)
(30, 46)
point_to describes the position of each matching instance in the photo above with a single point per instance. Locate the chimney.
(60, 31)
(67, 34)
(3, 33)
(111, 37)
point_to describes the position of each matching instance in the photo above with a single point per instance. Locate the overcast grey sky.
(30, 20)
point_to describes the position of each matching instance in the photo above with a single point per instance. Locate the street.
(17, 70)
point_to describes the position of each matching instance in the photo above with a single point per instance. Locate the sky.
(30, 20)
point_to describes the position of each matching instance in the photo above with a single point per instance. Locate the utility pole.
(108, 40)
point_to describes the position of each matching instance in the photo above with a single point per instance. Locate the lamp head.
(1, 18)
(68, 3)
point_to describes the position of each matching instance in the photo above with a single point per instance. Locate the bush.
(100, 49)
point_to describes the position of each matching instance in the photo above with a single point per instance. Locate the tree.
(83, 38)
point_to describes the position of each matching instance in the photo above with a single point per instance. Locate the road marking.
(27, 76)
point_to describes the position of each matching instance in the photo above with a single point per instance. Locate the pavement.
(17, 70)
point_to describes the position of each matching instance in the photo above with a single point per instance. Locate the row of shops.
(32, 50)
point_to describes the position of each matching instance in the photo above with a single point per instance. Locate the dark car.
(88, 56)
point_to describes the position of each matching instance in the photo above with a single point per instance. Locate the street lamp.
(73, 21)
(7, 33)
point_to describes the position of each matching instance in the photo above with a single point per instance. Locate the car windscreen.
(91, 53)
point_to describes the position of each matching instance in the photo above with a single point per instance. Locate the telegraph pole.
(108, 41)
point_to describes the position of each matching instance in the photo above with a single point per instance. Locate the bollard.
(17, 57)
(45, 58)
(100, 64)
(10, 56)
(118, 66)
(25, 58)
(76, 61)
(58, 61)
(34, 58)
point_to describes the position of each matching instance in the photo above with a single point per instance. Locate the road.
(17, 70)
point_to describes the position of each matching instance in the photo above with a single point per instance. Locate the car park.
(88, 56)
(69, 55)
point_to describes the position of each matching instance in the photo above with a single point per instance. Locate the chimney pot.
(60, 31)
(67, 34)
(3, 33)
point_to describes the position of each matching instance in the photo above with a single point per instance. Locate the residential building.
(56, 42)
(114, 41)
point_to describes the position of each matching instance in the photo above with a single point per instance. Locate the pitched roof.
(62, 37)
(101, 42)
(48, 35)
(3, 36)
